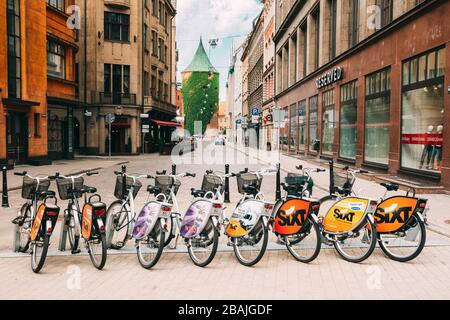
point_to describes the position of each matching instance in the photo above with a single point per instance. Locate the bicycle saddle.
(390, 186)
(250, 189)
(87, 189)
(48, 194)
(154, 190)
(197, 193)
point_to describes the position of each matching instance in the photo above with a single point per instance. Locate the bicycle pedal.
(76, 251)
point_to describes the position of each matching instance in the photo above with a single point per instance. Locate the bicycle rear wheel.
(118, 225)
(250, 249)
(150, 249)
(359, 246)
(97, 251)
(406, 245)
(202, 249)
(305, 246)
(39, 254)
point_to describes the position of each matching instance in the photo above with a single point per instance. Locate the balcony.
(159, 105)
(119, 4)
(115, 98)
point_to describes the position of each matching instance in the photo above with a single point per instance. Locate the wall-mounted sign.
(330, 77)
(255, 115)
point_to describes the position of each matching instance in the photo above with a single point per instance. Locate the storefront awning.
(161, 123)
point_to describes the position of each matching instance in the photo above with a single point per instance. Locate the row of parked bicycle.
(350, 223)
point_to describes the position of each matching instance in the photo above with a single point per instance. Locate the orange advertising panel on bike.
(392, 214)
(37, 222)
(345, 215)
(245, 218)
(291, 216)
(86, 221)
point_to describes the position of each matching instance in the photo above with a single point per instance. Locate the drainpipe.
(85, 77)
(142, 77)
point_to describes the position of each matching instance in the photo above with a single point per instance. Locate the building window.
(353, 23)
(332, 28)
(146, 38)
(117, 27)
(302, 125)
(348, 117)
(153, 87)
(284, 135)
(56, 61)
(304, 35)
(160, 48)
(126, 79)
(387, 10)
(107, 78)
(316, 18)
(328, 122)
(293, 127)
(57, 4)
(377, 117)
(423, 112)
(14, 54)
(313, 122)
(154, 7)
(154, 36)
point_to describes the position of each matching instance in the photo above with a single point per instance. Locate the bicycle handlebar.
(89, 174)
(25, 174)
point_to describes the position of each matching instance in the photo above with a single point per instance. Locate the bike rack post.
(174, 169)
(331, 177)
(124, 182)
(278, 182)
(5, 200)
(63, 235)
(227, 184)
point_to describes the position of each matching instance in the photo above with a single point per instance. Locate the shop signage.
(424, 139)
(330, 77)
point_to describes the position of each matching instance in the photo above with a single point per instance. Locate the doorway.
(118, 140)
(16, 137)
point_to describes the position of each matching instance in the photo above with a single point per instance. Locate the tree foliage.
(200, 91)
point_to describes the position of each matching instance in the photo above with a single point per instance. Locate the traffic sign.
(255, 111)
(110, 118)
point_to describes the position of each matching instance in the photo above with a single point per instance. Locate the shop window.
(56, 59)
(293, 128)
(57, 4)
(377, 118)
(328, 122)
(313, 123)
(284, 136)
(422, 117)
(348, 117)
(302, 125)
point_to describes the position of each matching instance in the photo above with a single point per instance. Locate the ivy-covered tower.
(200, 90)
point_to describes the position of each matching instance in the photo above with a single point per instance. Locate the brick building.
(366, 83)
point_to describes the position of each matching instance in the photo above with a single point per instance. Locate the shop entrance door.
(16, 137)
(118, 140)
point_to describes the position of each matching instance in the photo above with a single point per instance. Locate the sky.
(228, 20)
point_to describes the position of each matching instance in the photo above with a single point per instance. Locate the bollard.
(227, 184)
(278, 182)
(5, 200)
(174, 169)
(331, 177)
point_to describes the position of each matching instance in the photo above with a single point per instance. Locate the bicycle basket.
(119, 192)
(342, 181)
(211, 182)
(166, 182)
(66, 189)
(29, 187)
(299, 181)
(247, 179)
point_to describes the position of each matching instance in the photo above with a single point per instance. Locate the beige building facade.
(125, 69)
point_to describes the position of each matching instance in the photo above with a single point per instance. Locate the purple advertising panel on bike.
(146, 220)
(196, 218)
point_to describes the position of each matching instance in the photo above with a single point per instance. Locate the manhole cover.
(447, 221)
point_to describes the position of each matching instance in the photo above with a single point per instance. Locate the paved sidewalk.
(438, 204)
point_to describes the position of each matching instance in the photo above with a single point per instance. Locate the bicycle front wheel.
(250, 249)
(150, 249)
(305, 246)
(202, 249)
(360, 245)
(118, 226)
(406, 245)
(72, 235)
(97, 251)
(22, 243)
(39, 254)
